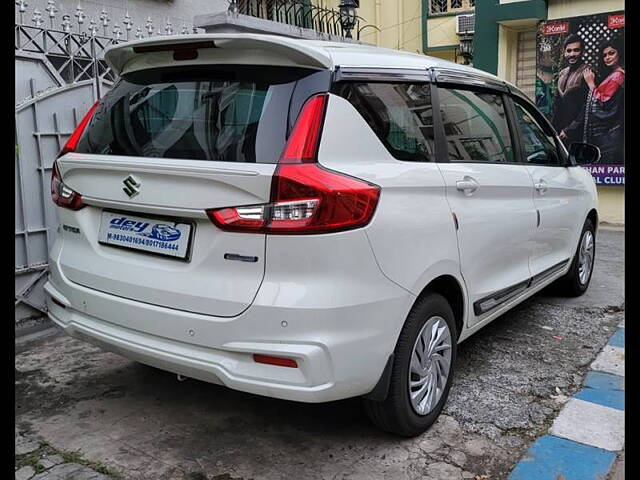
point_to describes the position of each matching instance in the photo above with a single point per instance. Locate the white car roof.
(261, 49)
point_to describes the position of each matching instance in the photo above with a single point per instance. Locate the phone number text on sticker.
(142, 241)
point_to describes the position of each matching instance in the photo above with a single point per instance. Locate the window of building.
(291, 13)
(399, 114)
(475, 125)
(447, 6)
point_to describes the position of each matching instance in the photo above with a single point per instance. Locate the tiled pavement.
(585, 438)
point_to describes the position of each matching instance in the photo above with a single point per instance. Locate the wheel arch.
(593, 216)
(451, 289)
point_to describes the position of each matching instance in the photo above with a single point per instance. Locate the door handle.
(541, 186)
(468, 185)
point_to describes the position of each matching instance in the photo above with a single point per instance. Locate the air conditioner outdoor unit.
(465, 24)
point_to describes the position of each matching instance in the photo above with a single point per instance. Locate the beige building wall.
(441, 31)
(400, 23)
(449, 55)
(575, 8)
(611, 205)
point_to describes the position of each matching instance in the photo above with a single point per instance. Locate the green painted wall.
(488, 14)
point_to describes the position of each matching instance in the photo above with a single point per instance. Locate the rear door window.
(229, 114)
(400, 114)
(475, 125)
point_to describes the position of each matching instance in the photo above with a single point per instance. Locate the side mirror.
(583, 154)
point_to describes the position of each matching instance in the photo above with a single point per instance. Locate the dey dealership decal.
(144, 234)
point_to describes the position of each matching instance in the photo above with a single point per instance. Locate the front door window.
(539, 147)
(475, 125)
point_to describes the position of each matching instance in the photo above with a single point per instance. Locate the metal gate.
(60, 73)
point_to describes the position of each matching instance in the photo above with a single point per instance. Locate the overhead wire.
(420, 34)
(419, 16)
(399, 23)
(399, 45)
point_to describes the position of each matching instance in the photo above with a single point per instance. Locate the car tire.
(574, 283)
(430, 316)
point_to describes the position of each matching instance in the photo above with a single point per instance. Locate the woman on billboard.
(602, 121)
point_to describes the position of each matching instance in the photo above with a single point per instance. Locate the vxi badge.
(131, 186)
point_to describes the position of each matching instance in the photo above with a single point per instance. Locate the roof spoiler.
(224, 48)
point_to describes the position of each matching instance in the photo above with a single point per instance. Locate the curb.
(588, 433)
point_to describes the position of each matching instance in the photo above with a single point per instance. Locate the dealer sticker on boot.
(151, 235)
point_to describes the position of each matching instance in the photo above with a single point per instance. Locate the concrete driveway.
(121, 419)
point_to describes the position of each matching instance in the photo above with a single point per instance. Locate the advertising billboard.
(580, 74)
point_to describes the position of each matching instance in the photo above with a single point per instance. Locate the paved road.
(512, 379)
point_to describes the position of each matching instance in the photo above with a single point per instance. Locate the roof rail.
(382, 74)
(469, 78)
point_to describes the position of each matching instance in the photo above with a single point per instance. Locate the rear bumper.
(341, 350)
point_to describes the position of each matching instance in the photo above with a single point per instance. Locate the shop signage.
(556, 28)
(580, 84)
(616, 21)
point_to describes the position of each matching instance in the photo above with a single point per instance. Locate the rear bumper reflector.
(279, 361)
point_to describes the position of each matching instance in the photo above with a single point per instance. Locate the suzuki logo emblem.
(131, 186)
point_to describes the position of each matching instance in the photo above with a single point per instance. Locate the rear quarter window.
(215, 113)
(400, 114)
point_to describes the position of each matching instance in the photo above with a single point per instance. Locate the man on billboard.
(601, 121)
(572, 89)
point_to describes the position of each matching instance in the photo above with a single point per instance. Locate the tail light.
(62, 195)
(73, 140)
(305, 197)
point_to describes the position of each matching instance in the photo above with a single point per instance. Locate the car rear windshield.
(216, 113)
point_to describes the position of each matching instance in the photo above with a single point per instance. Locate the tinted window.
(475, 125)
(399, 114)
(539, 147)
(231, 114)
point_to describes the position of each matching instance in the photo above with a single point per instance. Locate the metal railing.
(300, 13)
(75, 46)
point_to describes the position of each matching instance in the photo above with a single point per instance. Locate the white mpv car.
(311, 221)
